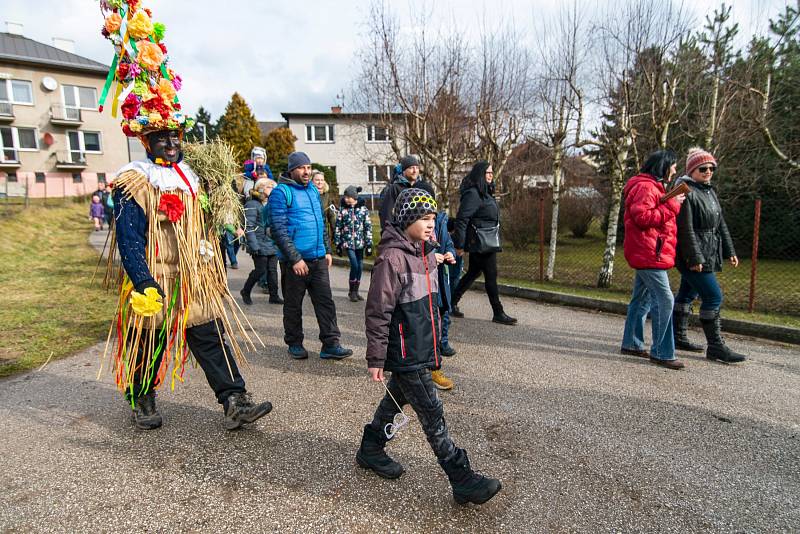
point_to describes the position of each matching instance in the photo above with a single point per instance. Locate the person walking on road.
(259, 243)
(703, 244)
(353, 234)
(408, 176)
(649, 245)
(299, 230)
(402, 328)
(477, 232)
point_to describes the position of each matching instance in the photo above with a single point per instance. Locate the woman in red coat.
(650, 240)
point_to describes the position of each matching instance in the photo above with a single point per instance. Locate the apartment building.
(355, 145)
(53, 141)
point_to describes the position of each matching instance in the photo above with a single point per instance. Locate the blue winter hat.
(298, 159)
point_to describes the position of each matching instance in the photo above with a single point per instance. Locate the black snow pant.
(416, 388)
(214, 357)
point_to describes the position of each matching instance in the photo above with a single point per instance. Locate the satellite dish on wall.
(49, 83)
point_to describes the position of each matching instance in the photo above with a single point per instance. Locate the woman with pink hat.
(703, 244)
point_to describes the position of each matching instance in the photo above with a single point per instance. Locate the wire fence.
(767, 279)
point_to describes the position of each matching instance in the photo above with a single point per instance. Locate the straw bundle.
(216, 166)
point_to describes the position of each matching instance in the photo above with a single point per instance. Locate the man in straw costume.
(173, 294)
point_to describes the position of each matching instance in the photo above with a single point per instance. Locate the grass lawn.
(47, 304)
(578, 263)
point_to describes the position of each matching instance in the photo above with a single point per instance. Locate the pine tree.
(239, 128)
(195, 135)
(279, 143)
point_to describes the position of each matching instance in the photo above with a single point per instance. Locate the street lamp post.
(202, 126)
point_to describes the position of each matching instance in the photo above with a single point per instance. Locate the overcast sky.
(279, 55)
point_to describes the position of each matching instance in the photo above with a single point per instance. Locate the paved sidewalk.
(583, 438)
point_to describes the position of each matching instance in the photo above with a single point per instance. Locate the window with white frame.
(16, 91)
(319, 133)
(14, 139)
(80, 97)
(377, 134)
(379, 173)
(80, 142)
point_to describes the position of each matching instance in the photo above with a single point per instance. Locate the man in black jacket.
(409, 176)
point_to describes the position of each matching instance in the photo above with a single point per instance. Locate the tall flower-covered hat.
(146, 89)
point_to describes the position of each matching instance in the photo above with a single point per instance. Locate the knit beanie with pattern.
(412, 204)
(696, 157)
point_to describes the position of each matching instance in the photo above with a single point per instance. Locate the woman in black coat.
(478, 214)
(704, 243)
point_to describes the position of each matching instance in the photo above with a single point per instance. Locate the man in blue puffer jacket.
(298, 228)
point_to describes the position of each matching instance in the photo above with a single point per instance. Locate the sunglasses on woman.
(709, 168)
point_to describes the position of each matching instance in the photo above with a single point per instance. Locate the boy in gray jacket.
(402, 327)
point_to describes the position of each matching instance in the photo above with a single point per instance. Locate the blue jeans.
(705, 286)
(651, 293)
(445, 327)
(229, 244)
(356, 257)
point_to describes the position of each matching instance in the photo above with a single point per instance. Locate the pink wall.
(56, 184)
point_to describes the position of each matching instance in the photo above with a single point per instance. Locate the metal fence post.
(754, 256)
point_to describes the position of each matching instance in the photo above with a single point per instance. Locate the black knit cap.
(412, 204)
(409, 161)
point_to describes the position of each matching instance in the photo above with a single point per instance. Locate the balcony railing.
(65, 115)
(70, 159)
(9, 157)
(6, 111)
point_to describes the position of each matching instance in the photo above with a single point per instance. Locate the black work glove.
(149, 283)
(368, 250)
(339, 251)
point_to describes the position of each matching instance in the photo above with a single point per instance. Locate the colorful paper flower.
(166, 90)
(150, 55)
(148, 303)
(123, 69)
(177, 81)
(158, 31)
(172, 206)
(130, 108)
(140, 26)
(113, 22)
(135, 70)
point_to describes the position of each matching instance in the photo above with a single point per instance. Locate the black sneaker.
(145, 413)
(240, 410)
(455, 312)
(275, 300)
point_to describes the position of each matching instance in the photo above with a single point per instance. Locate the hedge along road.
(583, 438)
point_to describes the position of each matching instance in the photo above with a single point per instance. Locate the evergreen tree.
(279, 143)
(195, 135)
(239, 128)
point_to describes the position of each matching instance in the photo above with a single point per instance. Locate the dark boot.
(717, 350)
(353, 293)
(246, 297)
(372, 456)
(468, 486)
(357, 285)
(145, 413)
(455, 312)
(680, 326)
(239, 410)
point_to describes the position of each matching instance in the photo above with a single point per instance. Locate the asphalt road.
(583, 438)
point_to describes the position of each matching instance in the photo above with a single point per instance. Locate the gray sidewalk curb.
(784, 334)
